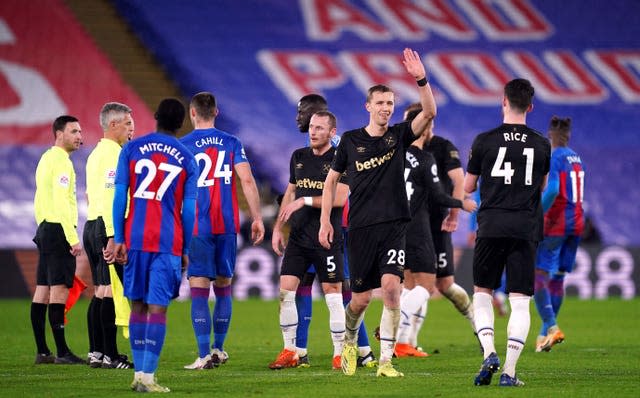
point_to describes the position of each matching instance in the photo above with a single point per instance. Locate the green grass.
(601, 357)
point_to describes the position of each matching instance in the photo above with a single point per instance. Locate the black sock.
(56, 320)
(38, 319)
(90, 323)
(108, 317)
(98, 336)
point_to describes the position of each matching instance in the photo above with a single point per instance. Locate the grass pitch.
(600, 357)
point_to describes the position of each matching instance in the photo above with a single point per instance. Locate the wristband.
(308, 200)
(422, 82)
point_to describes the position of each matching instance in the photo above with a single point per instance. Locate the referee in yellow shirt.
(56, 214)
(117, 125)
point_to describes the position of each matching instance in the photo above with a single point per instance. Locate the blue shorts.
(211, 256)
(557, 253)
(153, 278)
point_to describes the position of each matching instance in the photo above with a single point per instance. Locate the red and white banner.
(49, 66)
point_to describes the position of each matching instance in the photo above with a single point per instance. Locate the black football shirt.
(375, 174)
(447, 158)
(307, 172)
(423, 188)
(511, 161)
(423, 182)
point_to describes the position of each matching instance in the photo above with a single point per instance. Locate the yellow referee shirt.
(55, 199)
(101, 176)
(93, 177)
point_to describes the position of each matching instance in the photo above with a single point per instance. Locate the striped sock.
(137, 332)
(201, 319)
(304, 306)
(221, 315)
(156, 331)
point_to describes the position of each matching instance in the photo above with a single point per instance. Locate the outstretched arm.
(277, 238)
(450, 223)
(325, 235)
(470, 183)
(292, 206)
(415, 67)
(250, 190)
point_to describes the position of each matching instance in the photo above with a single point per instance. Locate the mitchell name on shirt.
(163, 148)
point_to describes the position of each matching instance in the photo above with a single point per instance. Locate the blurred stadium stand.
(259, 56)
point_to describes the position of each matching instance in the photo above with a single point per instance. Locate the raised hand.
(413, 64)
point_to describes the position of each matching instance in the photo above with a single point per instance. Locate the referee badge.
(64, 181)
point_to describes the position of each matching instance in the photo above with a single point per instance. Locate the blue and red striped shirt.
(216, 153)
(566, 176)
(161, 174)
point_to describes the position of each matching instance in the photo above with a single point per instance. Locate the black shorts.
(94, 238)
(492, 255)
(443, 252)
(56, 264)
(421, 255)
(328, 263)
(375, 250)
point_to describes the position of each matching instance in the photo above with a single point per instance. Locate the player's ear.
(529, 108)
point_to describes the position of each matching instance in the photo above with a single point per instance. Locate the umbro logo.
(299, 165)
(361, 149)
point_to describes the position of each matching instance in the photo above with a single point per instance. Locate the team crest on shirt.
(358, 282)
(454, 154)
(390, 140)
(299, 165)
(325, 168)
(64, 181)
(361, 149)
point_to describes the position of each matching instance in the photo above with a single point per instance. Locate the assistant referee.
(56, 213)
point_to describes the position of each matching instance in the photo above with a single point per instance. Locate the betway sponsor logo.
(374, 161)
(309, 183)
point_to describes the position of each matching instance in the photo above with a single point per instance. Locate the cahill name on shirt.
(208, 141)
(164, 148)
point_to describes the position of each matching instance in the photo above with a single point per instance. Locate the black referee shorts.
(94, 239)
(56, 264)
(492, 255)
(93, 253)
(375, 250)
